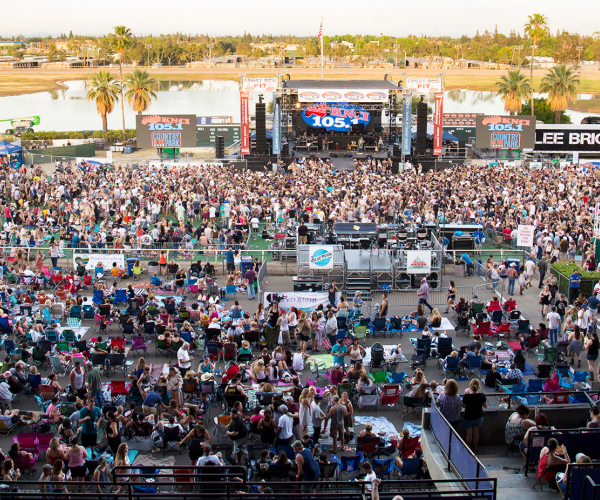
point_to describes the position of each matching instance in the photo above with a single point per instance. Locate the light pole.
(148, 47)
(519, 47)
(457, 49)
(210, 46)
(396, 46)
(579, 49)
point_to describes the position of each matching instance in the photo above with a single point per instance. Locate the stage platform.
(365, 260)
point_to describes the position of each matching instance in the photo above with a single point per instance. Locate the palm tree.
(512, 89)
(536, 28)
(561, 84)
(103, 89)
(120, 41)
(141, 89)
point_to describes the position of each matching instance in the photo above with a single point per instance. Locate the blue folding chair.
(98, 297)
(451, 365)
(230, 290)
(396, 378)
(120, 296)
(383, 468)
(535, 385)
(580, 376)
(349, 466)
(410, 467)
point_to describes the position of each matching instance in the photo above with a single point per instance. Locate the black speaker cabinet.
(219, 146)
(261, 129)
(421, 128)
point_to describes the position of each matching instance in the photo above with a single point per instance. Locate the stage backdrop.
(342, 95)
(91, 260)
(505, 132)
(166, 131)
(418, 261)
(300, 300)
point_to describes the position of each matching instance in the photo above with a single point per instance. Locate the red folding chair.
(229, 350)
(483, 328)
(390, 396)
(117, 388)
(117, 342)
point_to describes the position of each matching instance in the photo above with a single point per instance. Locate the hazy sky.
(301, 17)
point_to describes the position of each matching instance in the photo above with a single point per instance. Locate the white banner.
(109, 157)
(423, 84)
(91, 260)
(342, 95)
(259, 84)
(300, 300)
(526, 236)
(418, 261)
(320, 256)
(187, 166)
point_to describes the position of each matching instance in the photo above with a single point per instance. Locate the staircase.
(357, 284)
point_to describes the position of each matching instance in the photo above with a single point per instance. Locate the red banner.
(245, 125)
(437, 123)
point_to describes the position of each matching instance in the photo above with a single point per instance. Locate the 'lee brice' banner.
(437, 123)
(406, 123)
(245, 125)
(306, 301)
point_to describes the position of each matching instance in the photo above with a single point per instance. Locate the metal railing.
(408, 297)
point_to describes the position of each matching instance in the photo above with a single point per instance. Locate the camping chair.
(483, 328)
(390, 396)
(367, 396)
(46, 392)
(395, 327)
(348, 466)
(117, 388)
(69, 336)
(378, 377)
(396, 378)
(444, 346)
(368, 446)
(138, 343)
(412, 405)
(57, 366)
(532, 343)
(229, 351)
(171, 439)
(474, 366)
(463, 325)
(162, 347)
(116, 361)
(422, 352)
(379, 327)
(410, 468)
(230, 290)
(382, 468)
(120, 296)
(451, 365)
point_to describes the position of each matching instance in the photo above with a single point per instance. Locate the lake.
(68, 109)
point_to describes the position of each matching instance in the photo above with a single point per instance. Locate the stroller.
(377, 356)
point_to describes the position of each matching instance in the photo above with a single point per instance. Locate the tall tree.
(513, 88)
(120, 41)
(103, 89)
(536, 28)
(141, 89)
(561, 84)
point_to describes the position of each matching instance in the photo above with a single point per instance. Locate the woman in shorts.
(162, 262)
(474, 402)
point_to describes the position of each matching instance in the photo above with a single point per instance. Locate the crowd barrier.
(460, 457)
(576, 440)
(581, 481)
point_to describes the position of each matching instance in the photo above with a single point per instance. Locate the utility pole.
(579, 49)
(148, 47)
(519, 47)
(457, 49)
(396, 58)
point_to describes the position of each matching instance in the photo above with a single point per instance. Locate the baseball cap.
(234, 411)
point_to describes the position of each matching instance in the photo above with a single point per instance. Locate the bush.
(563, 270)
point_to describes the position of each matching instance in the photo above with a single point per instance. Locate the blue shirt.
(593, 302)
(152, 399)
(573, 283)
(338, 353)
(466, 258)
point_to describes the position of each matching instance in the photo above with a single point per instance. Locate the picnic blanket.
(157, 370)
(387, 349)
(380, 424)
(514, 344)
(324, 359)
(153, 461)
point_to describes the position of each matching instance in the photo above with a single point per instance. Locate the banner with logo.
(259, 84)
(424, 84)
(91, 260)
(406, 123)
(418, 261)
(245, 125)
(166, 131)
(306, 301)
(338, 117)
(320, 256)
(526, 236)
(342, 95)
(437, 123)
(277, 127)
(505, 132)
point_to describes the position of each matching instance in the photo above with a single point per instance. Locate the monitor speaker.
(261, 129)
(421, 127)
(220, 147)
(396, 150)
(285, 150)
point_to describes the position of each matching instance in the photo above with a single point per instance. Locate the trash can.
(479, 267)
(128, 150)
(460, 270)
(130, 264)
(246, 264)
(517, 263)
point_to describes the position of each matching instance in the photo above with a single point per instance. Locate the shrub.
(563, 271)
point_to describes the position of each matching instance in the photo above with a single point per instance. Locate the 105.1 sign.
(338, 117)
(505, 132)
(166, 131)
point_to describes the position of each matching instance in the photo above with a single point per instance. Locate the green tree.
(543, 112)
(120, 41)
(141, 89)
(536, 28)
(513, 88)
(103, 89)
(561, 84)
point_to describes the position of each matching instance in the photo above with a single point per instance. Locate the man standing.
(331, 326)
(384, 306)
(238, 434)
(184, 359)
(467, 260)
(512, 277)
(530, 270)
(554, 321)
(89, 418)
(250, 276)
(337, 413)
(574, 283)
(152, 404)
(308, 467)
(302, 233)
(331, 293)
(285, 426)
(94, 383)
(423, 294)
(542, 267)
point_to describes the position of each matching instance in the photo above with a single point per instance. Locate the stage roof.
(339, 84)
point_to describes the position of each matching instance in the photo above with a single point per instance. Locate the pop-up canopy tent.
(8, 149)
(445, 136)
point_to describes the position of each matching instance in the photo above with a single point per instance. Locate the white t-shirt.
(286, 423)
(368, 480)
(183, 357)
(298, 361)
(553, 320)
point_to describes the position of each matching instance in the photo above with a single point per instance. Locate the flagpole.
(322, 48)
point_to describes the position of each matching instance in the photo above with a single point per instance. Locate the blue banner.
(406, 123)
(277, 128)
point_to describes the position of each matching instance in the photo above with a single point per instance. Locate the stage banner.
(245, 125)
(406, 123)
(342, 95)
(418, 261)
(91, 260)
(306, 301)
(277, 127)
(259, 84)
(424, 84)
(320, 256)
(437, 123)
(526, 236)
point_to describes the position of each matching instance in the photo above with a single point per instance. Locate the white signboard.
(109, 158)
(418, 261)
(526, 236)
(424, 84)
(91, 260)
(342, 95)
(300, 300)
(259, 84)
(320, 256)
(575, 157)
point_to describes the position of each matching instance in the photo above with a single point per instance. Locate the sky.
(302, 18)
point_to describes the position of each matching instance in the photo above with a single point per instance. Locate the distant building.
(10, 43)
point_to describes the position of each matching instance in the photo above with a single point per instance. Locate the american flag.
(320, 35)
